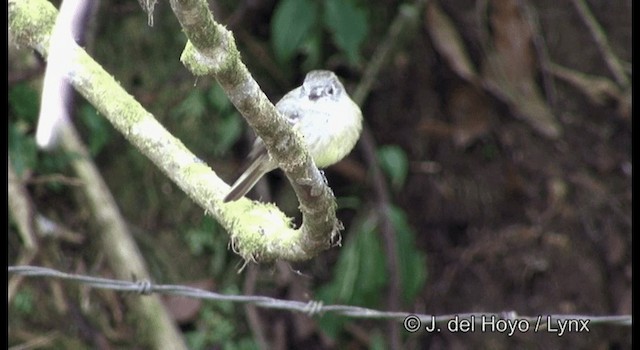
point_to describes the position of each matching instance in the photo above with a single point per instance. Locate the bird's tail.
(249, 177)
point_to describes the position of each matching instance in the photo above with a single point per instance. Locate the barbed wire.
(311, 308)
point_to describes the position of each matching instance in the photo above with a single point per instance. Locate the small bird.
(326, 117)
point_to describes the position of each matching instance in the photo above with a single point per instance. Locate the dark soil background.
(518, 139)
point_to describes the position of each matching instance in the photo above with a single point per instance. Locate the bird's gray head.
(321, 84)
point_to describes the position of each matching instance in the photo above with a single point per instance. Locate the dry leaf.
(509, 68)
(471, 115)
(448, 43)
(184, 309)
(598, 89)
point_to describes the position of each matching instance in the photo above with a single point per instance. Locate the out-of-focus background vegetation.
(502, 133)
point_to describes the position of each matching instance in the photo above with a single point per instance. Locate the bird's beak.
(315, 93)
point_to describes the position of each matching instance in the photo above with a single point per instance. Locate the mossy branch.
(211, 50)
(259, 231)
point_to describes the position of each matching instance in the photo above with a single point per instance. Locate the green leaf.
(22, 150)
(218, 98)
(378, 341)
(241, 344)
(395, 163)
(411, 261)
(196, 339)
(227, 124)
(312, 48)
(361, 271)
(193, 107)
(228, 131)
(360, 275)
(24, 101)
(54, 162)
(24, 301)
(349, 26)
(100, 131)
(205, 241)
(291, 25)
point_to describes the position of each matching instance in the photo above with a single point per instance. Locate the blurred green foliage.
(298, 26)
(228, 127)
(23, 107)
(377, 341)
(395, 163)
(360, 274)
(217, 327)
(209, 239)
(349, 26)
(24, 103)
(23, 301)
(291, 25)
(98, 129)
(217, 324)
(22, 149)
(209, 118)
(412, 261)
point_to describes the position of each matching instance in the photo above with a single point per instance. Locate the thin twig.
(600, 38)
(253, 317)
(387, 231)
(54, 178)
(37, 342)
(407, 15)
(21, 209)
(22, 213)
(542, 53)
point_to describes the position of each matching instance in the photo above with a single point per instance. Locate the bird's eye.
(331, 90)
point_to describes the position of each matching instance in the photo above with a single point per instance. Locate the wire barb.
(311, 308)
(144, 287)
